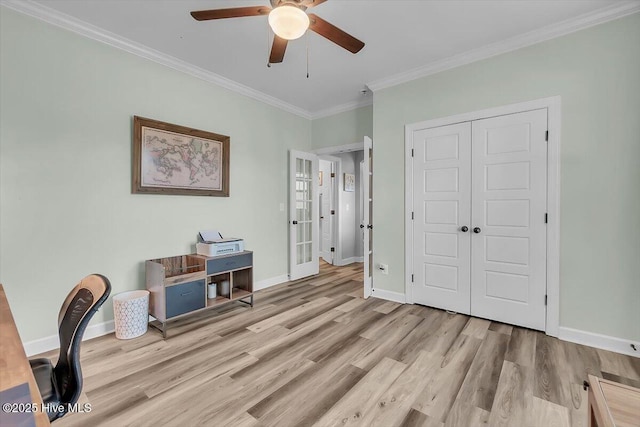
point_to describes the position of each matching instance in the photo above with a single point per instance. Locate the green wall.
(67, 210)
(342, 129)
(597, 73)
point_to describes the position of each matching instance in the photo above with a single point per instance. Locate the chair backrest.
(76, 312)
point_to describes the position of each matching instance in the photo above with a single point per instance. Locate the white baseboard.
(267, 283)
(603, 342)
(389, 295)
(347, 261)
(52, 342)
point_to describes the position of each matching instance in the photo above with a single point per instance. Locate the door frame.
(329, 154)
(336, 163)
(312, 267)
(553, 106)
(326, 153)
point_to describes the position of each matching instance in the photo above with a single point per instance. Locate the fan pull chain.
(306, 37)
(268, 45)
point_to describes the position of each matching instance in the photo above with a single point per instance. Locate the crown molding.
(562, 28)
(82, 28)
(54, 17)
(342, 108)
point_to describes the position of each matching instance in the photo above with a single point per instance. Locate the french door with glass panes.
(303, 215)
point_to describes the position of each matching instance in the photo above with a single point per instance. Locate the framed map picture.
(172, 159)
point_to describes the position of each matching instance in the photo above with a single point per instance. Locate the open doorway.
(344, 178)
(345, 237)
(340, 208)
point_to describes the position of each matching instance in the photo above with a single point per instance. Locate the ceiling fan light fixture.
(288, 22)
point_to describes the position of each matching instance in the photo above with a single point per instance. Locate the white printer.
(211, 243)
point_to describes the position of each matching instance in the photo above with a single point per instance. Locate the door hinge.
(412, 278)
(545, 300)
(411, 215)
(546, 218)
(333, 249)
(333, 174)
(546, 136)
(333, 212)
(412, 152)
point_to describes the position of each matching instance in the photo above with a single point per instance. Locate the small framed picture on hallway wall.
(349, 182)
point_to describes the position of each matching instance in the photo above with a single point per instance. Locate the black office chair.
(60, 386)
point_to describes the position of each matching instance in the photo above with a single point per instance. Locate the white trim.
(337, 232)
(336, 164)
(59, 19)
(366, 188)
(562, 28)
(388, 295)
(605, 342)
(553, 105)
(347, 261)
(267, 283)
(356, 146)
(52, 342)
(67, 22)
(554, 119)
(408, 210)
(332, 111)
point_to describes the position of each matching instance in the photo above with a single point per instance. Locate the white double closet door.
(479, 197)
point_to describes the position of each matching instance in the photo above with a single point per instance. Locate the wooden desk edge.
(599, 412)
(20, 363)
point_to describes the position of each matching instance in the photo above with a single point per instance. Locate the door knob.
(477, 230)
(370, 227)
(295, 223)
(361, 225)
(464, 229)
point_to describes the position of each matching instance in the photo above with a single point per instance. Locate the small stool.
(131, 314)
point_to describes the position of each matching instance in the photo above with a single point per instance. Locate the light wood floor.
(313, 352)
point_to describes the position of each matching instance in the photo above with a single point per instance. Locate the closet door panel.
(442, 203)
(508, 242)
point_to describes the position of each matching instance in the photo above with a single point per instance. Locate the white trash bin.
(131, 314)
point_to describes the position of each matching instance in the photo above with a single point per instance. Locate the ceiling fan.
(289, 21)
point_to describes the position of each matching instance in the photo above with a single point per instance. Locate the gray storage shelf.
(178, 285)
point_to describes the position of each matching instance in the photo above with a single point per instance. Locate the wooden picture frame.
(173, 159)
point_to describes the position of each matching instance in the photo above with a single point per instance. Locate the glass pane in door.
(304, 206)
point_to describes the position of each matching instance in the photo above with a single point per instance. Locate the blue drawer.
(185, 298)
(232, 262)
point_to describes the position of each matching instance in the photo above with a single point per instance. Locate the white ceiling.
(403, 38)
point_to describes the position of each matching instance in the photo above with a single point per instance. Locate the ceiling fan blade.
(312, 3)
(234, 12)
(277, 50)
(335, 34)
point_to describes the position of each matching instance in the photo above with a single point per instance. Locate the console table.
(178, 285)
